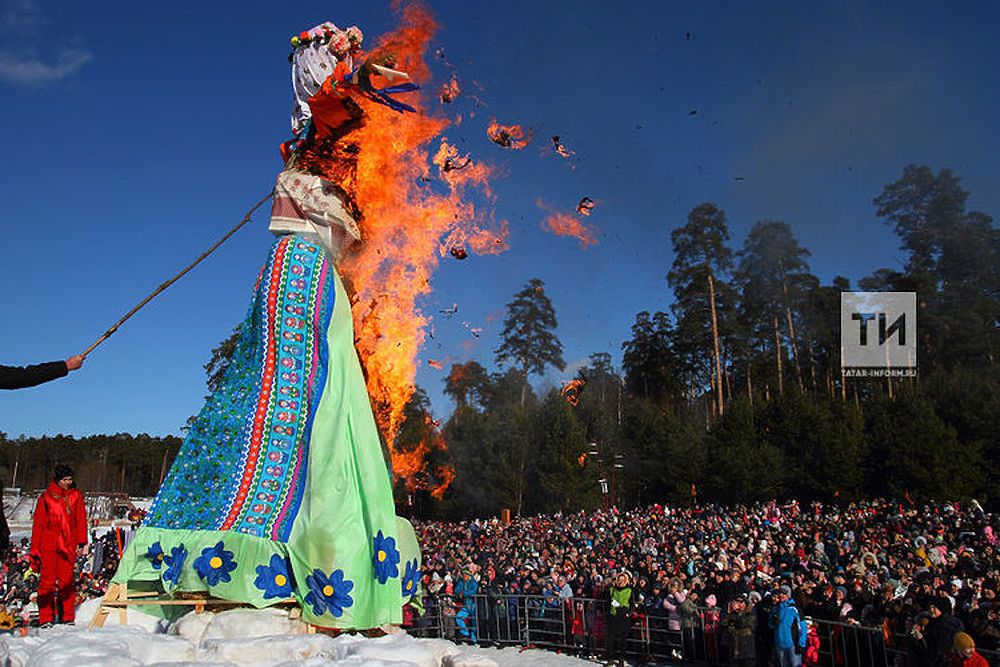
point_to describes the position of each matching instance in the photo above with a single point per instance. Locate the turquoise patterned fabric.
(243, 463)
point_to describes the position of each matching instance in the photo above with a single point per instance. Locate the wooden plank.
(185, 602)
(190, 602)
(141, 594)
(118, 597)
(102, 611)
(123, 595)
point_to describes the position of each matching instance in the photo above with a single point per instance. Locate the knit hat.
(785, 590)
(963, 641)
(942, 604)
(61, 471)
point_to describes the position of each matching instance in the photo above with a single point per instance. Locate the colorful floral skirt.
(280, 490)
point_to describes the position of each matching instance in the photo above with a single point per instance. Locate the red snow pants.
(55, 588)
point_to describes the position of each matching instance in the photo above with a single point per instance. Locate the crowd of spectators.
(19, 582)
(918, 573)
(926, 576)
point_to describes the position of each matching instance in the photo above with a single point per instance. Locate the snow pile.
(247, 637)
(135, 617)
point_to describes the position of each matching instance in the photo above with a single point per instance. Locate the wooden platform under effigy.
(119, 597)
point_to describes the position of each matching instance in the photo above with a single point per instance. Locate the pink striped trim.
(275, 529)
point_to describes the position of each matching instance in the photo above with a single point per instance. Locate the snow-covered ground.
(243, 637)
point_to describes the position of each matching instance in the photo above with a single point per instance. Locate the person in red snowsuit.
(58, 535)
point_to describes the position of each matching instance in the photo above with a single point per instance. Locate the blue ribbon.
(383, 95)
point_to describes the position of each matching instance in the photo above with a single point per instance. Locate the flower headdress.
(341, 42)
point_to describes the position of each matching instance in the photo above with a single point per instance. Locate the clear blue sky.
(134, 134)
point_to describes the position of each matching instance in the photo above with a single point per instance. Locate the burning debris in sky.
(448, 161)
(560, 148)
(585, 206)
(562, 223)
(571, 390)
(447, 158)
(508, 136)
(449, 91)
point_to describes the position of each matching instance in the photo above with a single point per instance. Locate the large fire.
(409, 222)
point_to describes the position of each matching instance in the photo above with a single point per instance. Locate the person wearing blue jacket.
(790, 632)
(466, 589)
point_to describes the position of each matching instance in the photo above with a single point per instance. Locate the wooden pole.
(107, 334)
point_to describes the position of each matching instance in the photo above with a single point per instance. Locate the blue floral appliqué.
(411, 577)
(174, 562)
(329, 593)
(214, 564)
(155, 555)
(386, 558)
(274, 579)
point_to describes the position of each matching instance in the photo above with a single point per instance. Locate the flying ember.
(571, 390)
(508, 136)
(449, 91)
(562, 223)
(560, 148)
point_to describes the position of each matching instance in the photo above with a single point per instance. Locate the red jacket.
(60, 522)
(974, 660)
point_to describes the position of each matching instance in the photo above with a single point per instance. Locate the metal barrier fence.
(581, 626)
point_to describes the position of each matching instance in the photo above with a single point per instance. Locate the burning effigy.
(280, 491)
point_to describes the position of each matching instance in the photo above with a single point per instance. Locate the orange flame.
(571, 391)
(411, 465)
(407, 229)
(508, 136)
(449, 91)
(445, 475)
(561, 223)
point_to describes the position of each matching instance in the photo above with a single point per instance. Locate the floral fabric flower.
(386, 558)
(214, 564)
(274, 579)
(411, 577)
(329, 593)
(174, 562)
(155, 555)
